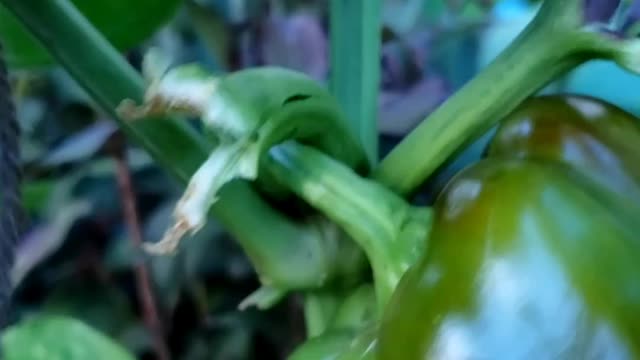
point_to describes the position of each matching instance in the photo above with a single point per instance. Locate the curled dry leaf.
(226, 162)
(190, 90)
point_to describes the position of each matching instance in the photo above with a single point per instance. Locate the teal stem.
(355, 31)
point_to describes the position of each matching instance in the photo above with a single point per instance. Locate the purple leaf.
(403, 60)
(399, 113)
(42, 241)
(599, 10)
(82, 145)
(296, 42)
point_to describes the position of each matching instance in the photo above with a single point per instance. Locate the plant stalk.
(390, 231)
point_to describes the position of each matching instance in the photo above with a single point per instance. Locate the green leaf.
(59, 338)
(124, 23)
(35, 194)
(106, 307)
(355, 65)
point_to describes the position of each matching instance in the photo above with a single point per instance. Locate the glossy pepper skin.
(527, 259)
(595, 137)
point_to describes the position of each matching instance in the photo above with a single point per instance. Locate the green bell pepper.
(533, 251)
(597, 138)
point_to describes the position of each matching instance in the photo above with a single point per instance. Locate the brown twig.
(143, 280)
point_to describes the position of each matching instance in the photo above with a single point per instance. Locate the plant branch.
(143, 280)
(390, 231)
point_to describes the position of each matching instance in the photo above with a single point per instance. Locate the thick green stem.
(333, 310)
(319, 310)
(391, 232)
(279, 248)
(355, 65)
(551, 45)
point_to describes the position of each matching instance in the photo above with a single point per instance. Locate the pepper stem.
(553, 43)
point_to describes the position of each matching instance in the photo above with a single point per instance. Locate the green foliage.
(299, 218)
(59, 338)
(124, 23)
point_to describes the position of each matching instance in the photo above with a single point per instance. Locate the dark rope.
(10, 206)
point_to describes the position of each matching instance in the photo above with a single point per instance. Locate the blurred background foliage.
(76, 260)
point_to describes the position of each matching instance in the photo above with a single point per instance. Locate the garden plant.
(530, 252)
